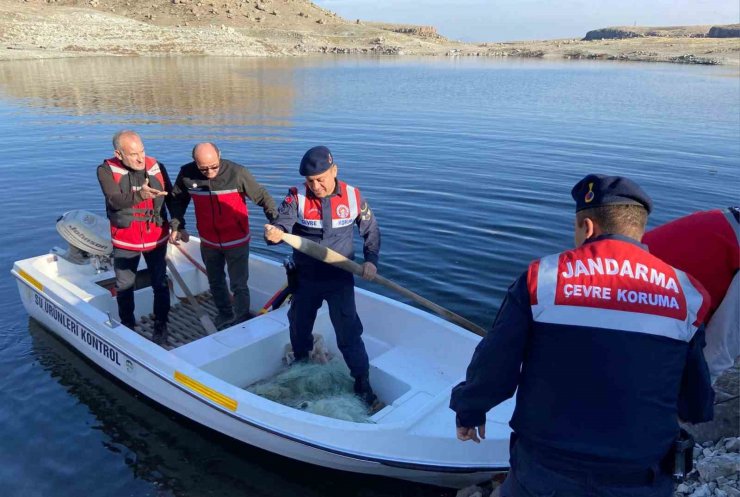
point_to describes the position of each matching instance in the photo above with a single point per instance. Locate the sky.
(511, 20)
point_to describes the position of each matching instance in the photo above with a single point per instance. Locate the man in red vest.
(219, 189)
(707, 246)
(135, 187)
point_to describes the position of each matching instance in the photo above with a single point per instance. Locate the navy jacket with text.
(604, 343)
(330, 222)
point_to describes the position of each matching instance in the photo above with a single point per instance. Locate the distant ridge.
(702, 31)
(31, 29)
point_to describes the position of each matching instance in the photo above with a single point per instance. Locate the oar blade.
(208, 325)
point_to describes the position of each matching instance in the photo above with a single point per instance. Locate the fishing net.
(323, 389)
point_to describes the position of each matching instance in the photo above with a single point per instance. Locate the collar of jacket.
(610, 236)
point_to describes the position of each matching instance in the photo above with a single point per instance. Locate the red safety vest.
(222, 217)
(704, 244)
(345, 208)
(139, 227)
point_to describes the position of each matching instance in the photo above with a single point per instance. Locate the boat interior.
(414, 357)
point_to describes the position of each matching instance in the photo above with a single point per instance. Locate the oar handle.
(191, 259)
(205, 320)
(329, 256)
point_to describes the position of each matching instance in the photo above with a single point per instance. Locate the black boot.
(364, 391)
(160, 333)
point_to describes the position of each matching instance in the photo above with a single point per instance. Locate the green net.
(323, 389)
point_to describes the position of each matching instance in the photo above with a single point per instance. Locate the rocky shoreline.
(716, 473)
(269, 28)
(716, 470)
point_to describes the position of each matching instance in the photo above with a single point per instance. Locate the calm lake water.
(467, 164)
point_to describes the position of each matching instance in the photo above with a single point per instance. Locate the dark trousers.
(308, 296)
(531, 477)
(125, 263)
(236, 260)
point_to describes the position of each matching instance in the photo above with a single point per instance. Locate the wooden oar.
(329, 256)
(191, 259)
(203, 316)
(198, 265)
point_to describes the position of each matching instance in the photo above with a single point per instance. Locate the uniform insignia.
(289, 199)
(342, 211)
(365, 213)
(590, 194)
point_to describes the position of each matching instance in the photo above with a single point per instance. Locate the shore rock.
(726, 422)
(729, 31)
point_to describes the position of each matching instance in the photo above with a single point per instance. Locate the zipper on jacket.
(213, 214)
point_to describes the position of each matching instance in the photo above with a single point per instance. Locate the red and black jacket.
(221, 213)
(136, 224)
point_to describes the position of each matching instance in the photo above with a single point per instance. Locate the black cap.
(316, 161)
(596, 190)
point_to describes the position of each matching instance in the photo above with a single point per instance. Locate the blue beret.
(596, 190)
(316, 161)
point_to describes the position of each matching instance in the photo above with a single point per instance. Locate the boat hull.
(151, 371)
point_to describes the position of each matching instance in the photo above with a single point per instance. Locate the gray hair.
(118, 135)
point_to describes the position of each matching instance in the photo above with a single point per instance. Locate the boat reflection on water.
(180, 457)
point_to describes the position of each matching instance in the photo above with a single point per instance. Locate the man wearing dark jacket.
(326, 210)
(603, 344)
(135, 187)
(219, 189)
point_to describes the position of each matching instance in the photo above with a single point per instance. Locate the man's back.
(610, 336)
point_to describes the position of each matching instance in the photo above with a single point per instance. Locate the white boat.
(415, 360)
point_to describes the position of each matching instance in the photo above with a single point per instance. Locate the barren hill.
(622, 32)
(70, 28)
(298, 15)
(223, 27)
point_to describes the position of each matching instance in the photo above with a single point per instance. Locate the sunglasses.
(210, 168)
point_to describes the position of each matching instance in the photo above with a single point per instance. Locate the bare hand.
(369, 271)
(177, 236)
(273, 234)
(465, 433)
(148, 192)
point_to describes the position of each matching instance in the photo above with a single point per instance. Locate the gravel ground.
(716, 473)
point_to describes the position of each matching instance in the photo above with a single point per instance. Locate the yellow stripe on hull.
(30, 279)
(206, 392)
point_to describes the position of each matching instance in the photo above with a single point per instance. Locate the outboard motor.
(88, 236)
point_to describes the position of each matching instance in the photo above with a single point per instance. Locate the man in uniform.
(604, 344)
(325, 210)
(707, 246)
(135, 187)
(219, 189)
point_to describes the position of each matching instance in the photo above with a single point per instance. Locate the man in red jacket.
(135, 188)
(219, 189)
(707, 246)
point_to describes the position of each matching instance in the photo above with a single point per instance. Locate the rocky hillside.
(222, 27)
(258, 28)
(624, 32)
(728, 31)
(277, 14)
